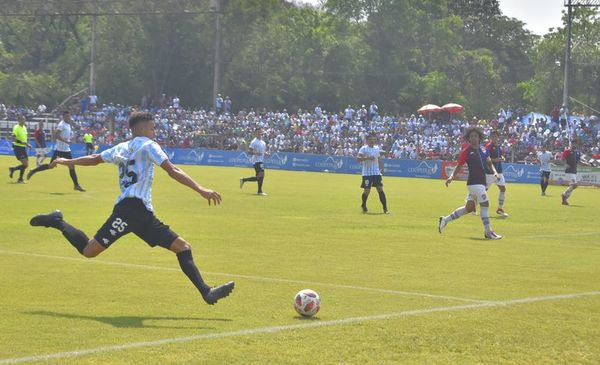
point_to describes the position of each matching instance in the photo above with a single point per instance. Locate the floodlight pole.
(93, 58)
(567, 56)
(215, 7)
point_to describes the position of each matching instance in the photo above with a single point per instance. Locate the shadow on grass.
(303, 318)
(131, 321)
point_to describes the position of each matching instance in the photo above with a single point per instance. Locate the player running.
(133, 211)
(63, 135)
(476, 159)
(257, 150)
(369, 157)
(40, 144)
(545, 158)
(20, 144)
(572, 157)
(494, 151)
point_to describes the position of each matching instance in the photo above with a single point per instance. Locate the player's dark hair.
(471, 130)
(372, 134)
(66, 112)
(139, 117)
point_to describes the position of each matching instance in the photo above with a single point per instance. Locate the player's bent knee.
(470, 206)
(180, 245)
(93, 249)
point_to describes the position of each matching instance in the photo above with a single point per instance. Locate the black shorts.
(371, 181)
(20, 152)
(259, 167)
(131, 215)
(62, 154)
(89, 145)
(545, 174)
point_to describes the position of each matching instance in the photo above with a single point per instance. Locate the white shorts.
(491, 179)
(571, 178)
(477, 193)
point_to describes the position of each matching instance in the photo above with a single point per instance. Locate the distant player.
(20, 144)
(572, 157)
(545, 157)
(476, 159)
(88, 139)
(494, 151)
(369, 157)
(257, 150)
(63, 135)
(133, 211)
(40, 144)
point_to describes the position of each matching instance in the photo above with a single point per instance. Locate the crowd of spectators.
(333, 133)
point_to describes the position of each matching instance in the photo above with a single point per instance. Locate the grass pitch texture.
(393, 289)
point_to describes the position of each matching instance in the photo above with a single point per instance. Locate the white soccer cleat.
(441, 224)
(261, 194)
(491, 235)
(501, 212)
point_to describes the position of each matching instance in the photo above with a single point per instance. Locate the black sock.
(364, 199)
(186, 262)
(544, 186)
(542, 182)
(76, 238)
(73, 177)
(16, 167)
(21, 171)
(382, 199)
(40, 168)
(250, 179)
(260, 182)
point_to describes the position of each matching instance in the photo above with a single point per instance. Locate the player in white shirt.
(133, 211)
(62, 149)
(545, 158)
(257, 150)
(369, 157)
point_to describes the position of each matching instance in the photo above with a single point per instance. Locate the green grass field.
(393, 289)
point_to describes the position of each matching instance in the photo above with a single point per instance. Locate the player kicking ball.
(476, 159)
(134, 212)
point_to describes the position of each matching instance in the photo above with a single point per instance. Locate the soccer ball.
(307, 302)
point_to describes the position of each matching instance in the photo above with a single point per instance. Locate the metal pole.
(567, 57)
(93, 59)
(216, 5)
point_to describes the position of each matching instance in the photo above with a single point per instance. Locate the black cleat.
(79, 188)
(47, 220)
(364, 209)
(385, 211)
(20, 181)
(29, 175)
(11, 171)
(218, 292)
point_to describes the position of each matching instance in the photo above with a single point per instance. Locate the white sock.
(485, 219)
(501, 200)
(459, 212)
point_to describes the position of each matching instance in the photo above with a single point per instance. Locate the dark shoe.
(364, 209)
(385, 211)
(47, 220)
(11, 171)
(218, 292)
(29, 175)
(20, 181)
(78, 188)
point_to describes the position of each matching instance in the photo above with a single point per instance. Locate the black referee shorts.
(545, 174)
(131, 215)
(20, 152)
(62, 154)
(371, 181)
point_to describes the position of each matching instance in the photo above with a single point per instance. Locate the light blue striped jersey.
(136, 160)
(65, 131)
(545, 158)
(260, 148)
(370, 167)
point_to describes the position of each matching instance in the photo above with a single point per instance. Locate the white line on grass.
(311, 324)
(249, 277)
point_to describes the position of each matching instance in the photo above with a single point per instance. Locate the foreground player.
(495, 153)
(369, 157)
(20, 145)
(133, 211)
(545, 158)
(572, 157)
(257, 150)
(475, 159)
(63, 135)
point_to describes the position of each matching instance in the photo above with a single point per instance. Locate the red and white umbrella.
(453, 108)
(429, 108)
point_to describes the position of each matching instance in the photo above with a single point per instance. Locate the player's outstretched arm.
(454, 173)
(491, 167)
(90, 160)
(181, 177)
